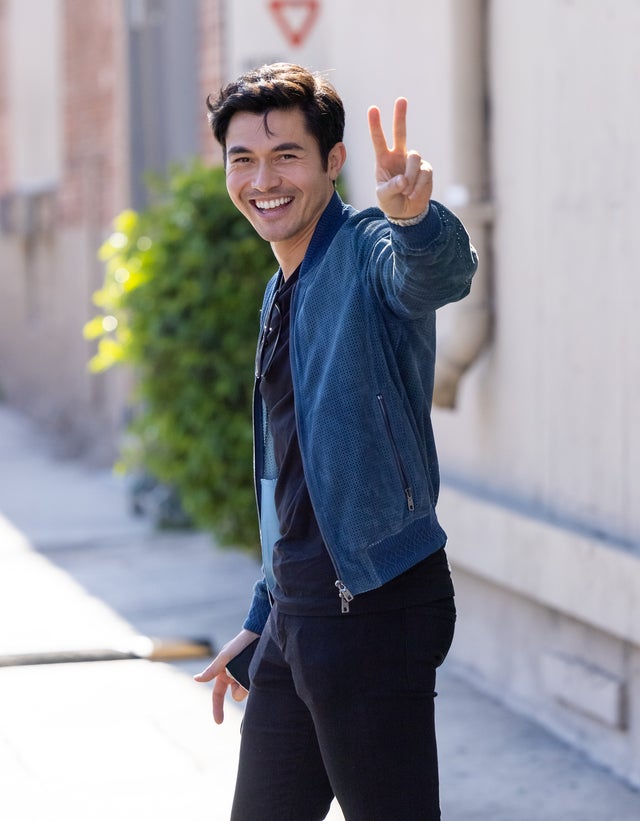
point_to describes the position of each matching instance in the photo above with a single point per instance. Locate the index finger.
(377, 134)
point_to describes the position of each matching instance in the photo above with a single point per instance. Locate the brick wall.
(92, 36)
(95, 181)
(211, 69)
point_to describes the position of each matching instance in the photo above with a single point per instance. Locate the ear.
(335, 160)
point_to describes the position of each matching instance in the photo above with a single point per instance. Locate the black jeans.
(344, 706)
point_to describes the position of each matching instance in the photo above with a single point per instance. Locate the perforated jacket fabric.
(362, 361)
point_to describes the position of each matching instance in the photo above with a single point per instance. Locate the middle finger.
(400, 125)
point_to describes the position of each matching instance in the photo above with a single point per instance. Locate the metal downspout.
(467, 325)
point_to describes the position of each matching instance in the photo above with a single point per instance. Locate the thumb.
(238, 693)
(393, 186)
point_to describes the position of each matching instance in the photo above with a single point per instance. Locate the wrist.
(407, 221)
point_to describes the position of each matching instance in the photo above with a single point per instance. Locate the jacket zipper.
(346, 596)
(396, 453)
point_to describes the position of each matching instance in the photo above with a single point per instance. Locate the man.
(355, 610)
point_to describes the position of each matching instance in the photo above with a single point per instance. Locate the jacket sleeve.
(422, 267)
(259, 609)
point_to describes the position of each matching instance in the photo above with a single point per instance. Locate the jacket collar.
(333, 217)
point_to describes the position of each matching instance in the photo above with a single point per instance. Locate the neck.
(290, 252)
(289, 268)
(288, 256)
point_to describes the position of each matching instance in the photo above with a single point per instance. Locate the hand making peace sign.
(404, 181)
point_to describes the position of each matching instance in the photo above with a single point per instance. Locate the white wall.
(550, 419)
(34, 93)
(547, 565)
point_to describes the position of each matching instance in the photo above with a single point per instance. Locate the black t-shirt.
(304, 572)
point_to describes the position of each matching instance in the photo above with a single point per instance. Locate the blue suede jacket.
(362, 362)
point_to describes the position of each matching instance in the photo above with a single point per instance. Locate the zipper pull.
(409, 494)
(345, 595)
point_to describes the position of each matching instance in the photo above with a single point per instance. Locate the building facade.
(91, 99)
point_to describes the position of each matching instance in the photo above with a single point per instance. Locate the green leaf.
(94, 328)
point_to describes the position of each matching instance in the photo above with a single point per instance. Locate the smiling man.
(278, 180)
(355, 610)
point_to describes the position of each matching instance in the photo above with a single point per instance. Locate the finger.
(217, 697)
(411, 171)
(209, 673)
(423, 187)
(389, 189)
(238, 692)
(378, 139)
(400, 125)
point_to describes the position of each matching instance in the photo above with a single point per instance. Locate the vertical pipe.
(467, 325)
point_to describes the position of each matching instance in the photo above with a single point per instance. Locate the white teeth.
(265, 205)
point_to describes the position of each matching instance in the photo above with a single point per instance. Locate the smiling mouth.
(270, 205)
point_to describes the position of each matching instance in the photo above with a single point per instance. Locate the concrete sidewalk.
(133, 739)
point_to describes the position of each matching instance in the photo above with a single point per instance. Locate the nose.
(265, 177)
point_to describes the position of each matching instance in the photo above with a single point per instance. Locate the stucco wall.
(548, 420)
(543, 450)
(33, 86)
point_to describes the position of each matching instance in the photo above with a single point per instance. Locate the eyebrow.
(240, 149)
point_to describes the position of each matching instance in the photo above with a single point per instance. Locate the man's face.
(276, 179)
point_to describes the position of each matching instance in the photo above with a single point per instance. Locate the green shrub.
(183, 287)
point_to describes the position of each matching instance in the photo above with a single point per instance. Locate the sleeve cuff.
(259, 610)
(410, 220)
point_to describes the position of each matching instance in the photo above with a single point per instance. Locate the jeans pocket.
(429, 634)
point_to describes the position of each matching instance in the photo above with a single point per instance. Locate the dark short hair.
(281, 86)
